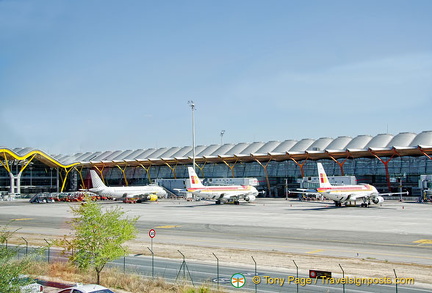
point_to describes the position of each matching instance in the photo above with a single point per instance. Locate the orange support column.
(424, 153)
(231, 167)
(300, 165)
(386, 166)
(340, 164)
(266, 174)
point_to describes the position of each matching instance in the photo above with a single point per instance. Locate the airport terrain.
(365, 242)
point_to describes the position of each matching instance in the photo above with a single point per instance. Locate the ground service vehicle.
(89, 288)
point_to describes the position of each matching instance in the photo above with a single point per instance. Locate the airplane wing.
(355, 197)
(374, 195)
(239, 194)
(235, 196)
(223, 197)
(137, 194)
(225, 194)
(304, 191)
(142, 196)
(304, 194)
(395, 193)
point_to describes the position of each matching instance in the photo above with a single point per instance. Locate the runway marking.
(23, 219)
(423, 241)
(167, 227)
(251, 244)
(315, 251)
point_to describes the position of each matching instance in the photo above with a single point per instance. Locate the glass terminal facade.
(385, 161)
(41, 178)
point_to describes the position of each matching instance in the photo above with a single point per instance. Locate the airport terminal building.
(387, 161)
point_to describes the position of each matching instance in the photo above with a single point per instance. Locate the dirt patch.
(274, 260)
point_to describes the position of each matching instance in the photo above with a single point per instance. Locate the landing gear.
(338, 204)
(365, 205)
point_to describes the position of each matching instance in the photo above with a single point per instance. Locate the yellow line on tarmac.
(315, 251)
(423, 241)
(166, 227)
(23, 219)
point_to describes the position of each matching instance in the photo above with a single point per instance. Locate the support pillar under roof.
(266, 173)
(147, 171)
(124, 174)
(173, 169)
(231, 167)
(340, 164)
(300, 165)
(386, 162)
(79, 171)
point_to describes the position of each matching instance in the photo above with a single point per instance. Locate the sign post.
(152, 253)
(152, 234)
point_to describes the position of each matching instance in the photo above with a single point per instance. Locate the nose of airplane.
(162, 192)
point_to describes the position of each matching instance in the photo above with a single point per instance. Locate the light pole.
(221, 134)
(400, 186)
(192, 105)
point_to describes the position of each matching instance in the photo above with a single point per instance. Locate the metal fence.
(241, 278)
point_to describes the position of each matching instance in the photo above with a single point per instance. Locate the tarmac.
(402, 228)
(396, 232)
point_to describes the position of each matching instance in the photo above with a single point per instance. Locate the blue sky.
(115, 75)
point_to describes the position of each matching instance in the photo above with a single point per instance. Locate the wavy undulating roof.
(343, 144)
(28, 154)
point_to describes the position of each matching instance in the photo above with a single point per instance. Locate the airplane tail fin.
(194, 181)
(96, 181)
(323, 180)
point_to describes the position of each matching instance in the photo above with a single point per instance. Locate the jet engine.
(152, 197)
(250, 198)
(377, 199)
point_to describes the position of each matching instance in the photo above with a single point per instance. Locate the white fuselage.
(129, 191)
(248, 193)
(222, 194)
(348, 192)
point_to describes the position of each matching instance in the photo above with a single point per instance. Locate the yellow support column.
(173, 169)
(81, 177)
(147, 171)
(25, 166)
(6, 163)
(65, 178)
(101, 173)
(201, 168)
(124, 174)
(231, 167)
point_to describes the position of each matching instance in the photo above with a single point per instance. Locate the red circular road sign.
(152, 233)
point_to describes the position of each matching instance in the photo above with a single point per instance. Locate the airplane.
(141, 193)
(222, 194)
(347, 193)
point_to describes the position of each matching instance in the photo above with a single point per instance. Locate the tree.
(11, 268)
(98, 236)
